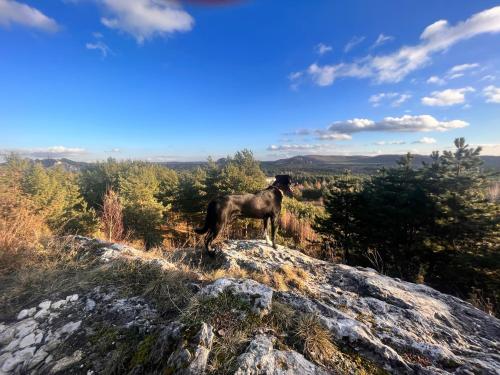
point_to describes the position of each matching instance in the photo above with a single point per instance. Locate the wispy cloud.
(436, 80)
(355, 40)
(14, 12)
(492, 94)
(382, 39)
(426, 141)
(446, 97)
(395, 98)
(395, 66)
(50, 152)
(100, 46)
(405, 123)
(383, 143)
(322, 48)
(145, 19)
(297, 147)
(463, 67)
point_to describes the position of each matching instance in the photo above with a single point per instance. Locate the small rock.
(12, 346)
(23, 314)
(3, 358)
(259, 296)
(72, 298)
(59, 304)
(41, 315)
(39, 356)
(66, 362)
(45, 305)
(90, 305)
(49, 359)
(7, 335)
(70, 327)
(25, 327)
(28, 340)
(20, 356)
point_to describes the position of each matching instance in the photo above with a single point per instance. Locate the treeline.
(434, 224)
(138, 201)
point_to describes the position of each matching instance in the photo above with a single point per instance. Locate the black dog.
(266, 205)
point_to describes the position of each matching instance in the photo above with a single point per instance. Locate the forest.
(435, 223)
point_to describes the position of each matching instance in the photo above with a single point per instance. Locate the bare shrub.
(112, 217)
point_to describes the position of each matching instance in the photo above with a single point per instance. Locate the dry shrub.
(20, 229)
(112, 217)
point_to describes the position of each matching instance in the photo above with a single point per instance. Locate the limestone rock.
(23, 314)
(404, 327)
(261, 358)
(66, 362)
(45, 305)
(259, 296)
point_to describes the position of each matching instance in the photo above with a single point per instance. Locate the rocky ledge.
(399, 327)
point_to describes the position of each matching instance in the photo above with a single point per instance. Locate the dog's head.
(284, 183)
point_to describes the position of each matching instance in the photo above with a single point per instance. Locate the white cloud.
(426, 141)
(355, 40)
(297, 147)
(405, 123)
(382, 39)
(400, 100)
(322, 48)
(325, 75)
(382, 143)
(396, 98)
(492, 94)
(144, 19)
(99, 46)
(446, 97)
(463, 67)
(488, 77)
(436, 80)
(489, 149)
(395, 66)
(334, 136)
(294, 76)
(14, 12)
(51, 152)
(456, 75)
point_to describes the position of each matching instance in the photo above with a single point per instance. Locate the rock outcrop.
(402, 328)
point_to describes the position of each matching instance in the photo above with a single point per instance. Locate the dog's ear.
(283, 179)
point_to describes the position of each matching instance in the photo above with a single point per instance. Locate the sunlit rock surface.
(404, 328)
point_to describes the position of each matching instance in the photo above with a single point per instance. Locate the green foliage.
(146, 192)
(340, 203)
(191, 196)
(240, 174)
(301, 210)
(56, 196)
(419, 224)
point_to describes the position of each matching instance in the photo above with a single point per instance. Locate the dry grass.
(315, 339)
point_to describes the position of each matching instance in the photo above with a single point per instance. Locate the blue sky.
(163, 80)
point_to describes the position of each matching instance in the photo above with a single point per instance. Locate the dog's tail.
(209, 219)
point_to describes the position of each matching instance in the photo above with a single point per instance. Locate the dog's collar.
(277, 188)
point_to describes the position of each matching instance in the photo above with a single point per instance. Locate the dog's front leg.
(274, 228)
(266, 234)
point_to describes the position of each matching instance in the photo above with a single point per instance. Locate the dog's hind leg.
(211, 236)
(266, 234)
(274, 228)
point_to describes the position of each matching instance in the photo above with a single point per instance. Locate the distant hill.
(314, 164)
(356, 164)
